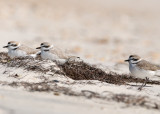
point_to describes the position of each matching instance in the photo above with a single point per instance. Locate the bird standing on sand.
(141, 68)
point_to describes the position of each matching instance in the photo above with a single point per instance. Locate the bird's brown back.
(27, 49)
(143, 64)
(57, 51)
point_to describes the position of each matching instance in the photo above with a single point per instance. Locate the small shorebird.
(141, 68)
(16, 49)
(50, 52)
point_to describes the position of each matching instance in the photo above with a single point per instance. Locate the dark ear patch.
(135, 59)
(46, 46)
(130, 56)
(14, 45)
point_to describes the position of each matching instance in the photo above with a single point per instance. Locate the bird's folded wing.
(148, 66)
(28, 49)
(61, 54)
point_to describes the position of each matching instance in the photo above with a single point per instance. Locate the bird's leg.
(144, 84)
(147, 80)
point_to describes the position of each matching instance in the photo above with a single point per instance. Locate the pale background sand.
(105, 31)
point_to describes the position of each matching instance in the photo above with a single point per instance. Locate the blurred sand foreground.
(103, 31)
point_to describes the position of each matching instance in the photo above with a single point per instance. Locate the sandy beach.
(103, 33)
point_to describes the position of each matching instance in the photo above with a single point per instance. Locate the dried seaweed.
(128, 100)
(84, 71)
(141, 101)
(77, 70)
(28, 63)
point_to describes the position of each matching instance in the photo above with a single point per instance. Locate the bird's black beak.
(126, 60)
(5, 46)
(38, 48)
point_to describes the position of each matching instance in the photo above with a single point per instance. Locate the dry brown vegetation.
(77, 70)
(84, 71)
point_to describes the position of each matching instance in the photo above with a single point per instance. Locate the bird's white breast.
(140, 73)
(16, 53)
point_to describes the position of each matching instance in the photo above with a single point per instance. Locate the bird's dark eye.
(14, 45)
(41, 43)
(8, 42)
(135, 59)
(46, 46)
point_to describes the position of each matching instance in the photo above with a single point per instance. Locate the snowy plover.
(50, 52)
(141, 68)
(16, 49)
